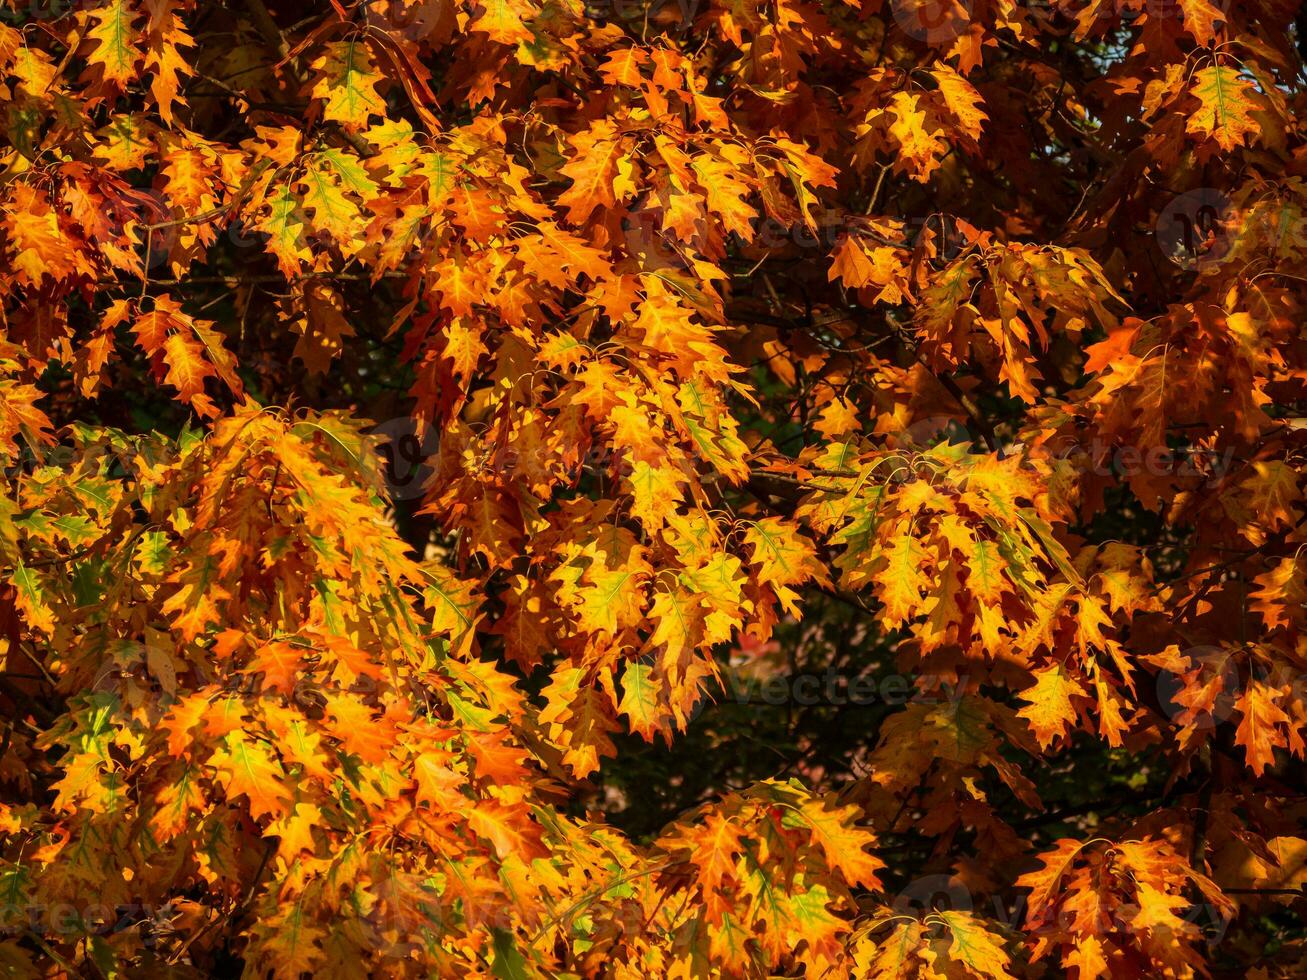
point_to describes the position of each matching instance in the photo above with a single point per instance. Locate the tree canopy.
(687, 488)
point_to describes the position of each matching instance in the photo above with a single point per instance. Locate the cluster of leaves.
(732, 342)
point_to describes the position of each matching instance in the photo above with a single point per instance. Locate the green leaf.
(508, 964)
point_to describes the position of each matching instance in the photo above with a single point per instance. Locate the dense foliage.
(544, 488)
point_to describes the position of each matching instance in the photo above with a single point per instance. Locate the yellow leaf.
(592, 170)
(611, 600)
(920, 149)
(39, 246)
(295, 830)
(783, 557)
(510, 829)
(247, 768)
(504, 20)
(1226, 104)
(1201, 18)
(901, 581)
(283, 224)
(655, 492)
(974, 946)
(1258, 731)
(288, 941)
(347, 84)
(834, 829)
(1273, 494)
(640, 700)
(1050, 711)
(114, 54)
(962, 99)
